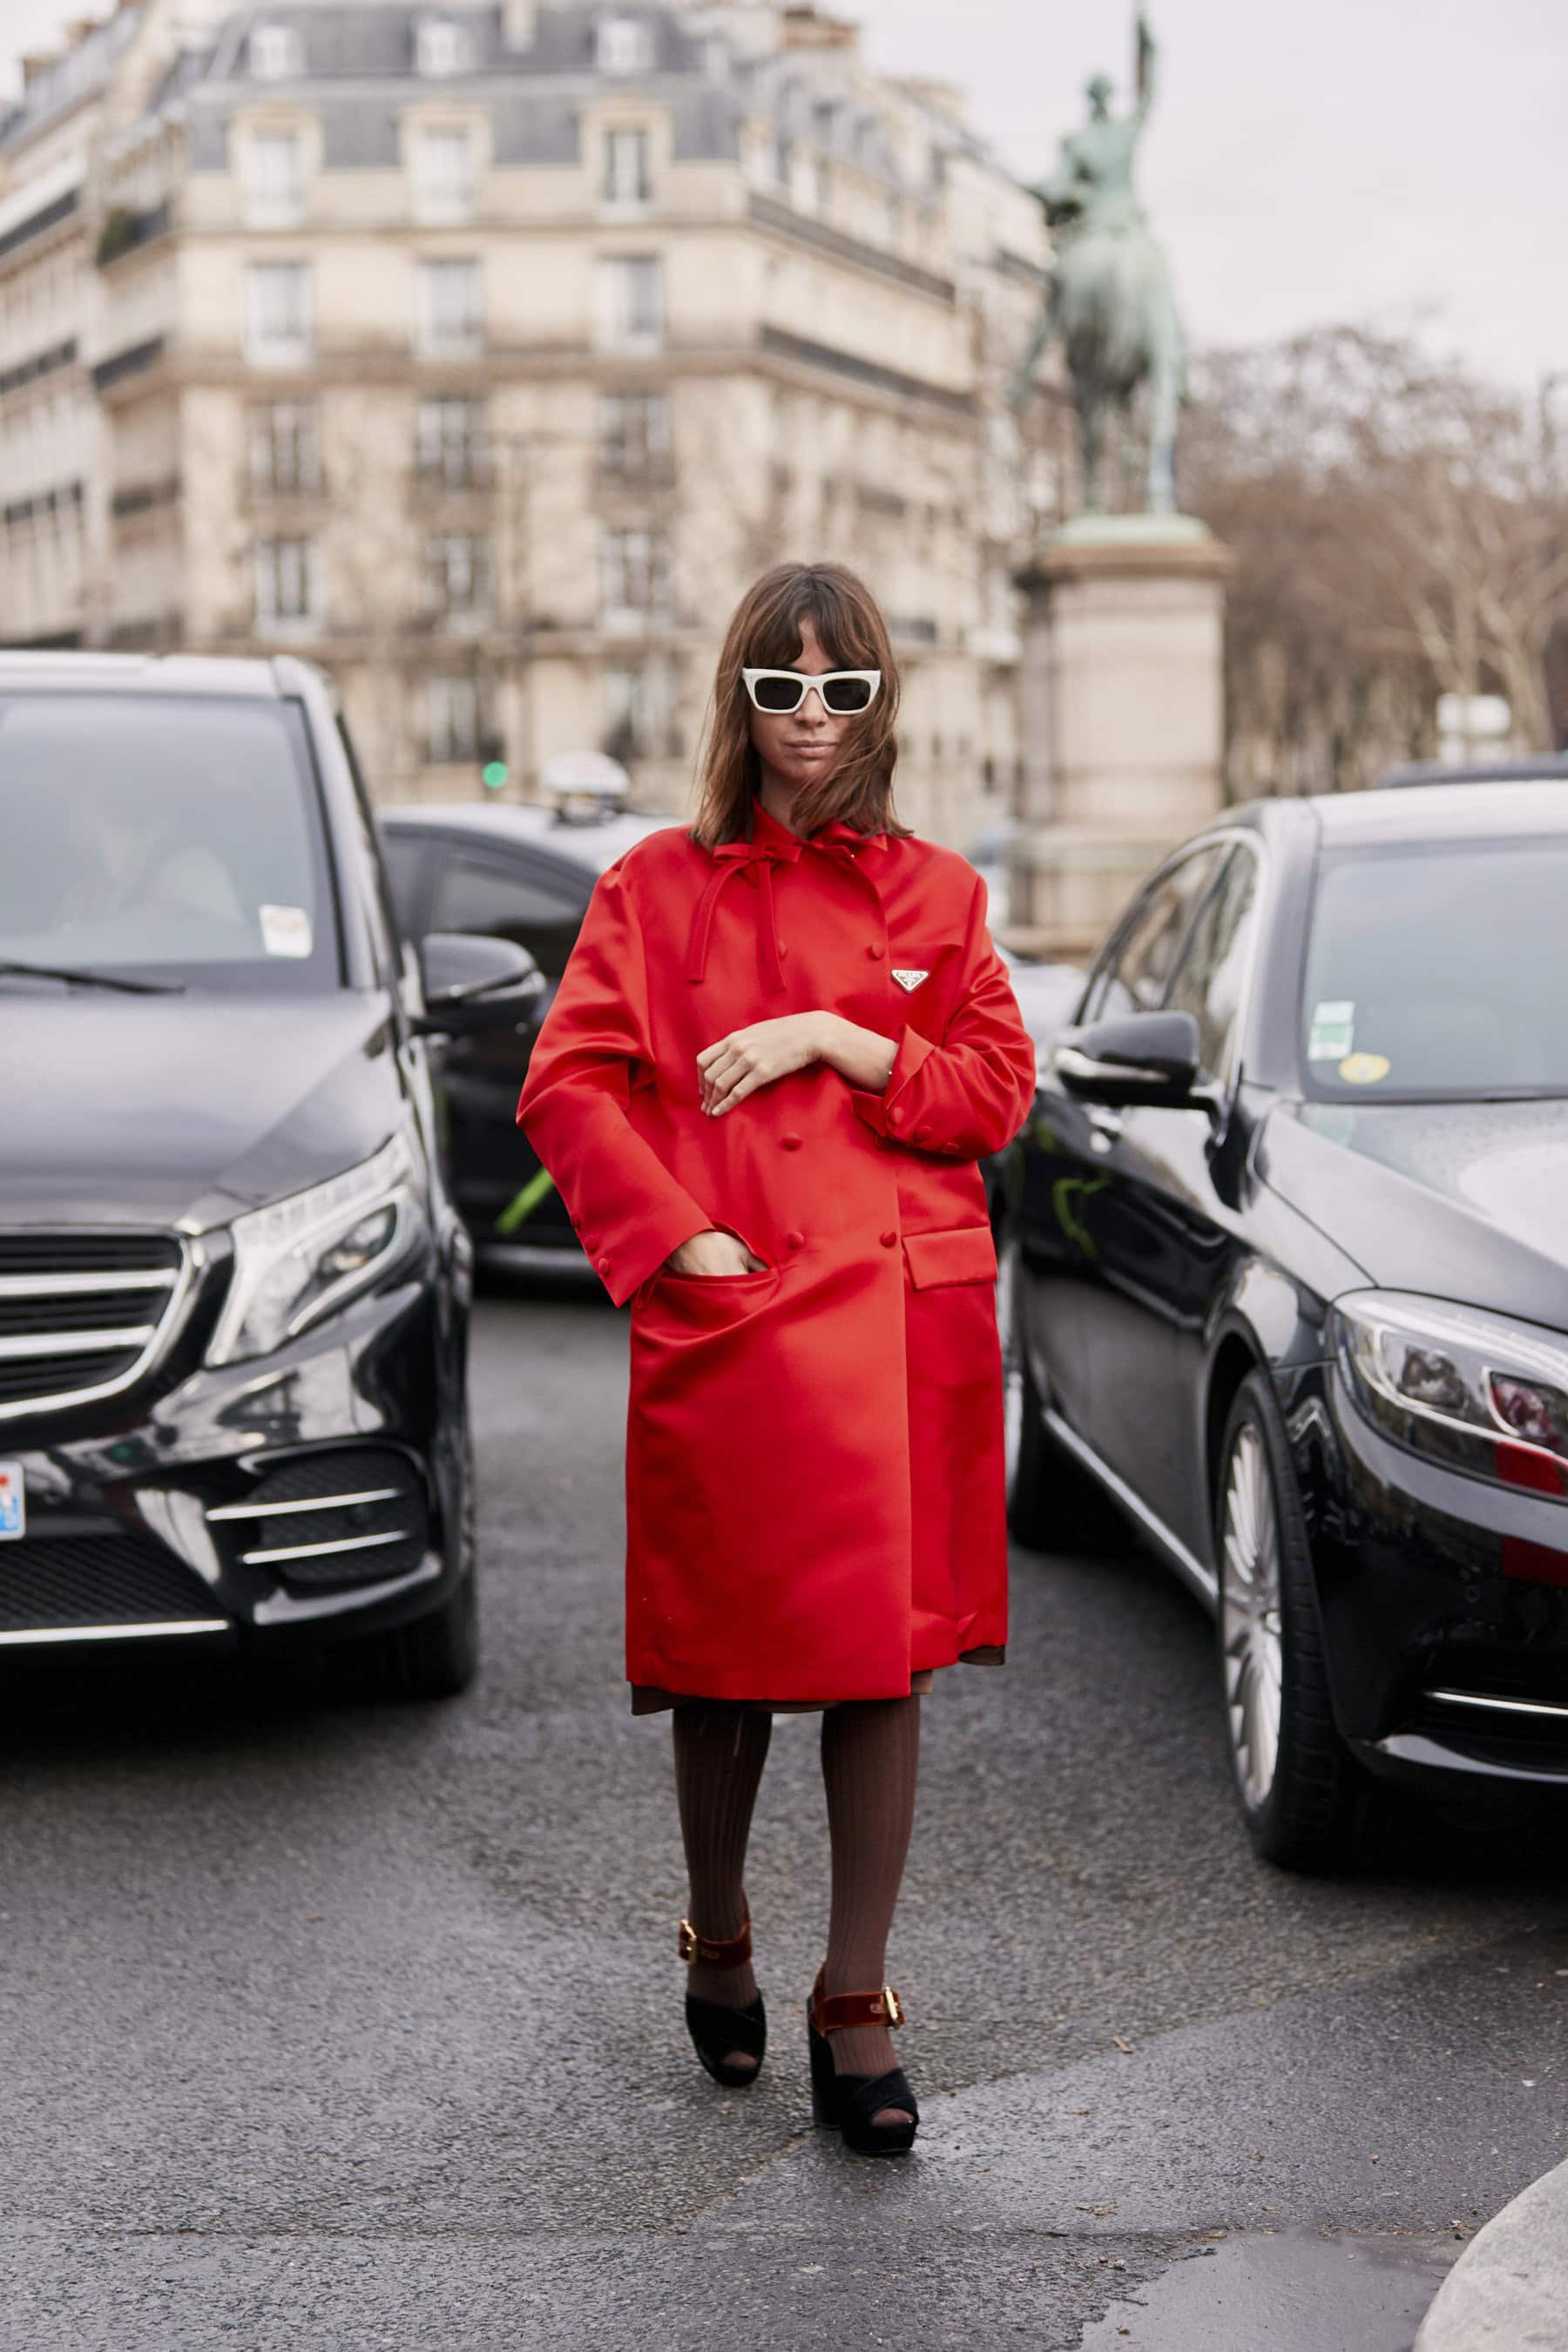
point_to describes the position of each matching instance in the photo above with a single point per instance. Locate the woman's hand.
(755, 1056)
(713, 1252)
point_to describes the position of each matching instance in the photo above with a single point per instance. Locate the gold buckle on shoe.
(687, 1942)
(893, 2006)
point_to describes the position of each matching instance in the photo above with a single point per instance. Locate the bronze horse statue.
(1111, 302)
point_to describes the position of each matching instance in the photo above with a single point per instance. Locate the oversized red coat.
(814, 1466)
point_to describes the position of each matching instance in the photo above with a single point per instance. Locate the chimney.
(519, 23)
(806, 28)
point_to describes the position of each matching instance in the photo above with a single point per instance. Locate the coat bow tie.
(756, 860)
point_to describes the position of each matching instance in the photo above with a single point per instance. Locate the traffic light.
(494, 773)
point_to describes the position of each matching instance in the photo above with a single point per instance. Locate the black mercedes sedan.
(233, 1288)
(1284, 1278)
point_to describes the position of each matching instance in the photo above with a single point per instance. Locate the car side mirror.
(473, 983)
(1139, 1057)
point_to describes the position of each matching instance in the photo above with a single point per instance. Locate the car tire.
(1299, 1792)
(1053, 1504)
(436, 1656)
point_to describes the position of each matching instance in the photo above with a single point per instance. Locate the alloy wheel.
(1250, 1616)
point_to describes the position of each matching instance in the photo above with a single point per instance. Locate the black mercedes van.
(234, 1290)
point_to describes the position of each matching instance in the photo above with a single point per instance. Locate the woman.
(782, 1043)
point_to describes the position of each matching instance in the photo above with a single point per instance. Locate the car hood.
(1460, 1200)
(149, 1110)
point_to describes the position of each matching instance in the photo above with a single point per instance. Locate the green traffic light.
(494, 775)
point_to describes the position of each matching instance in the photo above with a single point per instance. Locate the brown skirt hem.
(650, 1698)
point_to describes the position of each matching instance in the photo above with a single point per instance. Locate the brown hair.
(764, 633)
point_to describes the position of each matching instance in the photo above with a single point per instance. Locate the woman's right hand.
(713, 1252)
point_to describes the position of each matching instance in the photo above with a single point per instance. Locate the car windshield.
(163, 838)
(1439, 972)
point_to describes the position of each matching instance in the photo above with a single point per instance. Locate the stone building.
(485, 352)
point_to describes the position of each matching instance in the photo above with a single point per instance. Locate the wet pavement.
(355, 2028)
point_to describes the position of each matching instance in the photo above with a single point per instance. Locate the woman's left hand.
(755, 1056)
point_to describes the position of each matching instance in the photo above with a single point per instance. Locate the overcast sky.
(1310, 159)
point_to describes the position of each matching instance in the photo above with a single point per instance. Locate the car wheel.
(1053, 1505)
(436, 1656)
(1297, 1783)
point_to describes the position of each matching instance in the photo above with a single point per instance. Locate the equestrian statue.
(1111, 303)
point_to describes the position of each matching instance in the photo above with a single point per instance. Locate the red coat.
(814, 1454)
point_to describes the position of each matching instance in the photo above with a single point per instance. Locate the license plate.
(12, 1502)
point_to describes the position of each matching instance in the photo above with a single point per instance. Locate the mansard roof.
(356, 58)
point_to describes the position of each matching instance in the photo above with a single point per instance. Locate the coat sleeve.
(626, 1206)
(971, 1093)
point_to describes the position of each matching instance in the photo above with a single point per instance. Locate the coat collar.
(766, 831)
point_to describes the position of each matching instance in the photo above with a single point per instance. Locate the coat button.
(794, 1241)
(921, 1133)
(789, 1143)
(602, 1263)
(876, 955)
(890, 1241)
(894, 1119)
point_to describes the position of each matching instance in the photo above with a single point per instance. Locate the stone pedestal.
(1124, 718)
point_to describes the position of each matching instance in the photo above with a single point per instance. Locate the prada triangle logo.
(910, 979)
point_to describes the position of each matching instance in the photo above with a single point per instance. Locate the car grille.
(85, 1588)
(82, 1314)
(351, 1515)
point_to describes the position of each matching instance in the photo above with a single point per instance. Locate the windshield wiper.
(94, 978)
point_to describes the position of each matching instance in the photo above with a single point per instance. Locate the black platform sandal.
(715, 2029)
(849, 2101)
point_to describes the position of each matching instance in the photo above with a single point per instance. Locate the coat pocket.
(697, 1302)
(965, 1254)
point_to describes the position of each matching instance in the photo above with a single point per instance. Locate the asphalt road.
(351, 2028)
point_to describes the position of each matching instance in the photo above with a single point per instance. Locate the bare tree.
(1401, 530)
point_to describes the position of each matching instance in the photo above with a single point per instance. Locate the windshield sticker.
(1363, 1069)
(285, 930)
(1333, 1029)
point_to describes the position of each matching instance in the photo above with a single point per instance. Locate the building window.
(274, 179)
(286, 583)
(442, 47)
(625, 45)
(634, 435)
(456, 724)
(631, 303)
(451, 445)
(445, 187)
(451, 324)
(458, 575)
(639, 713)
(636, 578)
(281, 313)
(628, 175)
(276, 53)
(285, 458)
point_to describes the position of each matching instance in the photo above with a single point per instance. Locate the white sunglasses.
(843, 692)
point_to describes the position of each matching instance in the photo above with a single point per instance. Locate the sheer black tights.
(870, 1755)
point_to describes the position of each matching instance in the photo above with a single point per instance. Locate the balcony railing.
(125, 231)
(130, 361)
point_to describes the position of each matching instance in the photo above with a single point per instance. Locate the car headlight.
(1476, 1392)
(297, 1259)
